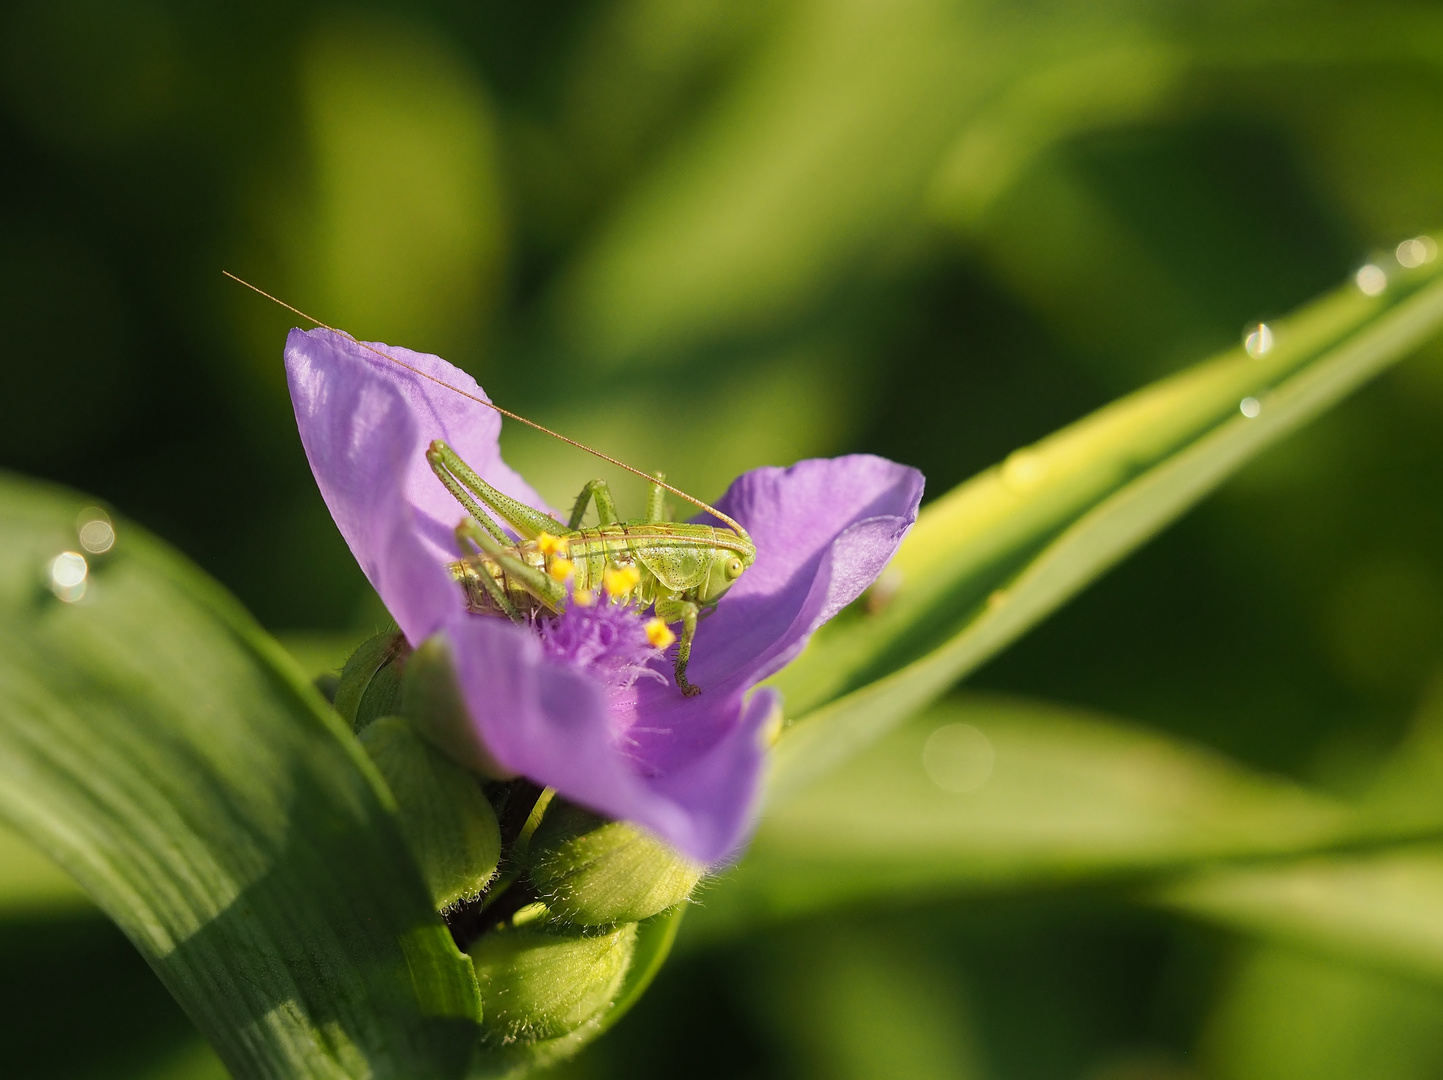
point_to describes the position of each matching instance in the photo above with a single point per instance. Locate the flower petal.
(365, 424)
(551, 723)
(824, 529)
(687, 769)
(718, 788)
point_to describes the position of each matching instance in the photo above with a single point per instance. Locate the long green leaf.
(1381, 909)
(169, 756)
(1035, 795)
(32, 884)
(998, 554)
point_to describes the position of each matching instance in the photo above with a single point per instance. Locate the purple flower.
(583, 703)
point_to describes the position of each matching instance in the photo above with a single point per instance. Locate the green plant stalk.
(992, 558)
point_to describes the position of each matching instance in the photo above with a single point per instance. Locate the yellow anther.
(551, 545)
(618, 581)
(658, 633)
(583, 597)
(560, 568)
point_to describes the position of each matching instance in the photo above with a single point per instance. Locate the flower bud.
(370, 683)
(445, 817)
(541, 985)
(594, 872)
(431, 701)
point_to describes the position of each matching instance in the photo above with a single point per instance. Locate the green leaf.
(30, 883)
(1375, 908)
(993, 557)
(170, 756)
(985, 793)
(1290, 1013)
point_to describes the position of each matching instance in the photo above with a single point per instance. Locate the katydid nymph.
(678, 570)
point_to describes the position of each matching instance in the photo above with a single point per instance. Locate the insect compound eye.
(734, 567)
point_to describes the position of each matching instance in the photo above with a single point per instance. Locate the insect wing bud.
(446, 819)
(370, 683)
(593, 872)
(538, 985)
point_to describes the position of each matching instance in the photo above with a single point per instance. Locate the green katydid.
(680, 570)
(677, 569)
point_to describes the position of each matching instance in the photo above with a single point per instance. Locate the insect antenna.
(497, 408)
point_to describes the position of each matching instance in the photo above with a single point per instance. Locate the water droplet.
(96, 532)
(1370, 280)
(1259, 340)
(958, 758)
(68, 572)
(1416, 252)
(1250, 407)
(1023, 470)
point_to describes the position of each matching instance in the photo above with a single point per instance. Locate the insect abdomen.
(591, 551)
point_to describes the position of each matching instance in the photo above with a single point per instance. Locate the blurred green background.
(710, 235)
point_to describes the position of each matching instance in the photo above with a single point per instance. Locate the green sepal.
(445, 817)
(370, 683)
(538, 984)
(594, 872)
(654, 939)
(431, 700)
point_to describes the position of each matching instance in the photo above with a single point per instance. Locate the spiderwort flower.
(576, 704)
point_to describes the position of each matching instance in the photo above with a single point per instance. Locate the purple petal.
(365, 424)
(824, 529)
(689, 768)
(718, 788)
(551, 723)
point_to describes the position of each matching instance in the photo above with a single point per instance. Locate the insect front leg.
(605, 504)
(684, 612)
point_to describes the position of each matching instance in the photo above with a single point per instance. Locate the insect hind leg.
(439, 463)
(466, 487)
(469, 530)
(540, 585)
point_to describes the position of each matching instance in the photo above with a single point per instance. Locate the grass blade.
(168, 755)
(992, 558)
(1047, 795)
(1379, 908)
